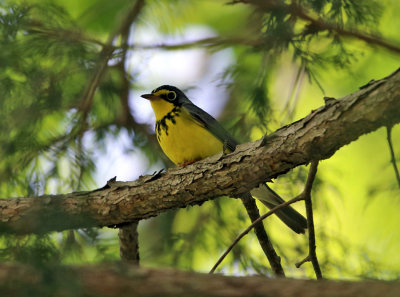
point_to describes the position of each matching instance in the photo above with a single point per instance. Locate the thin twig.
(312, 255)
(262, 236)
(392, 156)
(248, 229)
(306, 259)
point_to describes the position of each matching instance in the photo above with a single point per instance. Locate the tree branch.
(111, 280)
(316, 136)
(129, 242)
(262, 236)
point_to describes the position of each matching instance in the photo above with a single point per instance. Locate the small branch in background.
(296, 95)
(248, 229)
(204, 42)
(62, 34)
(129, 242)
(79, 157)
(262, 236)
(392, 156)
(297, 11)
(312, 255)
(322, 26)
(105, 55)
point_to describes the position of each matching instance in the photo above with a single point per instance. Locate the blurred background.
(71, 118)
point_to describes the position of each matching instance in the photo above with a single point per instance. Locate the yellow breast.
(182, 138)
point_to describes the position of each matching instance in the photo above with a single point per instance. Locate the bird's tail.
(288, 215)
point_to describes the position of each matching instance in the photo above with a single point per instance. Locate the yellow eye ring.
(171, 95)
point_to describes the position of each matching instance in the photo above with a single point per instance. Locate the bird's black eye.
(171, 95)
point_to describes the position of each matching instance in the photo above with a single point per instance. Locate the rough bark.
(128, 280)
(315, 137)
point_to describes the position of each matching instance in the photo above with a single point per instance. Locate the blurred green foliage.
(52, 132)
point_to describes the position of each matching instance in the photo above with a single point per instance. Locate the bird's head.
(168, 93)
(163, 99)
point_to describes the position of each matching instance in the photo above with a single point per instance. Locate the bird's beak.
(149, 96)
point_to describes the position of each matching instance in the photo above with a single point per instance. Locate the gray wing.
(211, 125)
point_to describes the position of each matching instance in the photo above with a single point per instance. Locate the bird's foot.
(186, 163)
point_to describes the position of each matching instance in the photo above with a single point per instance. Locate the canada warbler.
(187, 133)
